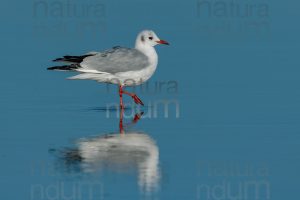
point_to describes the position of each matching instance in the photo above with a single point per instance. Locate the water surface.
(230, 82)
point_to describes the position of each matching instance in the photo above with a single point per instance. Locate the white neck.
(148, 50)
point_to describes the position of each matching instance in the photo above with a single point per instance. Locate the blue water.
(230, 81)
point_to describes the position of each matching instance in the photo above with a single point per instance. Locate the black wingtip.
(51, 68)
(64, 67)
(62, 59)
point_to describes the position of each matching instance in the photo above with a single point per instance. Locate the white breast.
(131, 78)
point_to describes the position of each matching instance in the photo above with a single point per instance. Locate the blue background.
(238, 93)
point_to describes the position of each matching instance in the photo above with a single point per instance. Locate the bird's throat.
(149, 51)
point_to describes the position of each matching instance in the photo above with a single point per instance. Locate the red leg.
(121, 97)
(136, 99)
(121, 110)
(121, 122)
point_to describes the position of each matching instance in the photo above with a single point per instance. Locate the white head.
(148, 38)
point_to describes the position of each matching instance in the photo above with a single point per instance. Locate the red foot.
(137, 100)
(134, 97)
(137, 117)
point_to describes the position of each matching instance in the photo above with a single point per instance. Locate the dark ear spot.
(143, 38)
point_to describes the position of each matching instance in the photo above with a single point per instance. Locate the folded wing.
(115, 60)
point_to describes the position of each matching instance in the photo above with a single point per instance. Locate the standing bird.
(119, 65)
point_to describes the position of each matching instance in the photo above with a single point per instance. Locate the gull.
(119, 65)
(134, 151)
(117, 152)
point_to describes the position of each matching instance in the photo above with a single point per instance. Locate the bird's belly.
(133, 78)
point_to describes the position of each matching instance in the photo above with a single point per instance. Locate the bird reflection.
(118, 152)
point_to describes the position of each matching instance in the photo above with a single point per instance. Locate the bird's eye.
(150, 38)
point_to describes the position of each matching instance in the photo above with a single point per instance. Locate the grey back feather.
(115, 60)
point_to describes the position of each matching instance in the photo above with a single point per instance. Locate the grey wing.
(115, 60)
